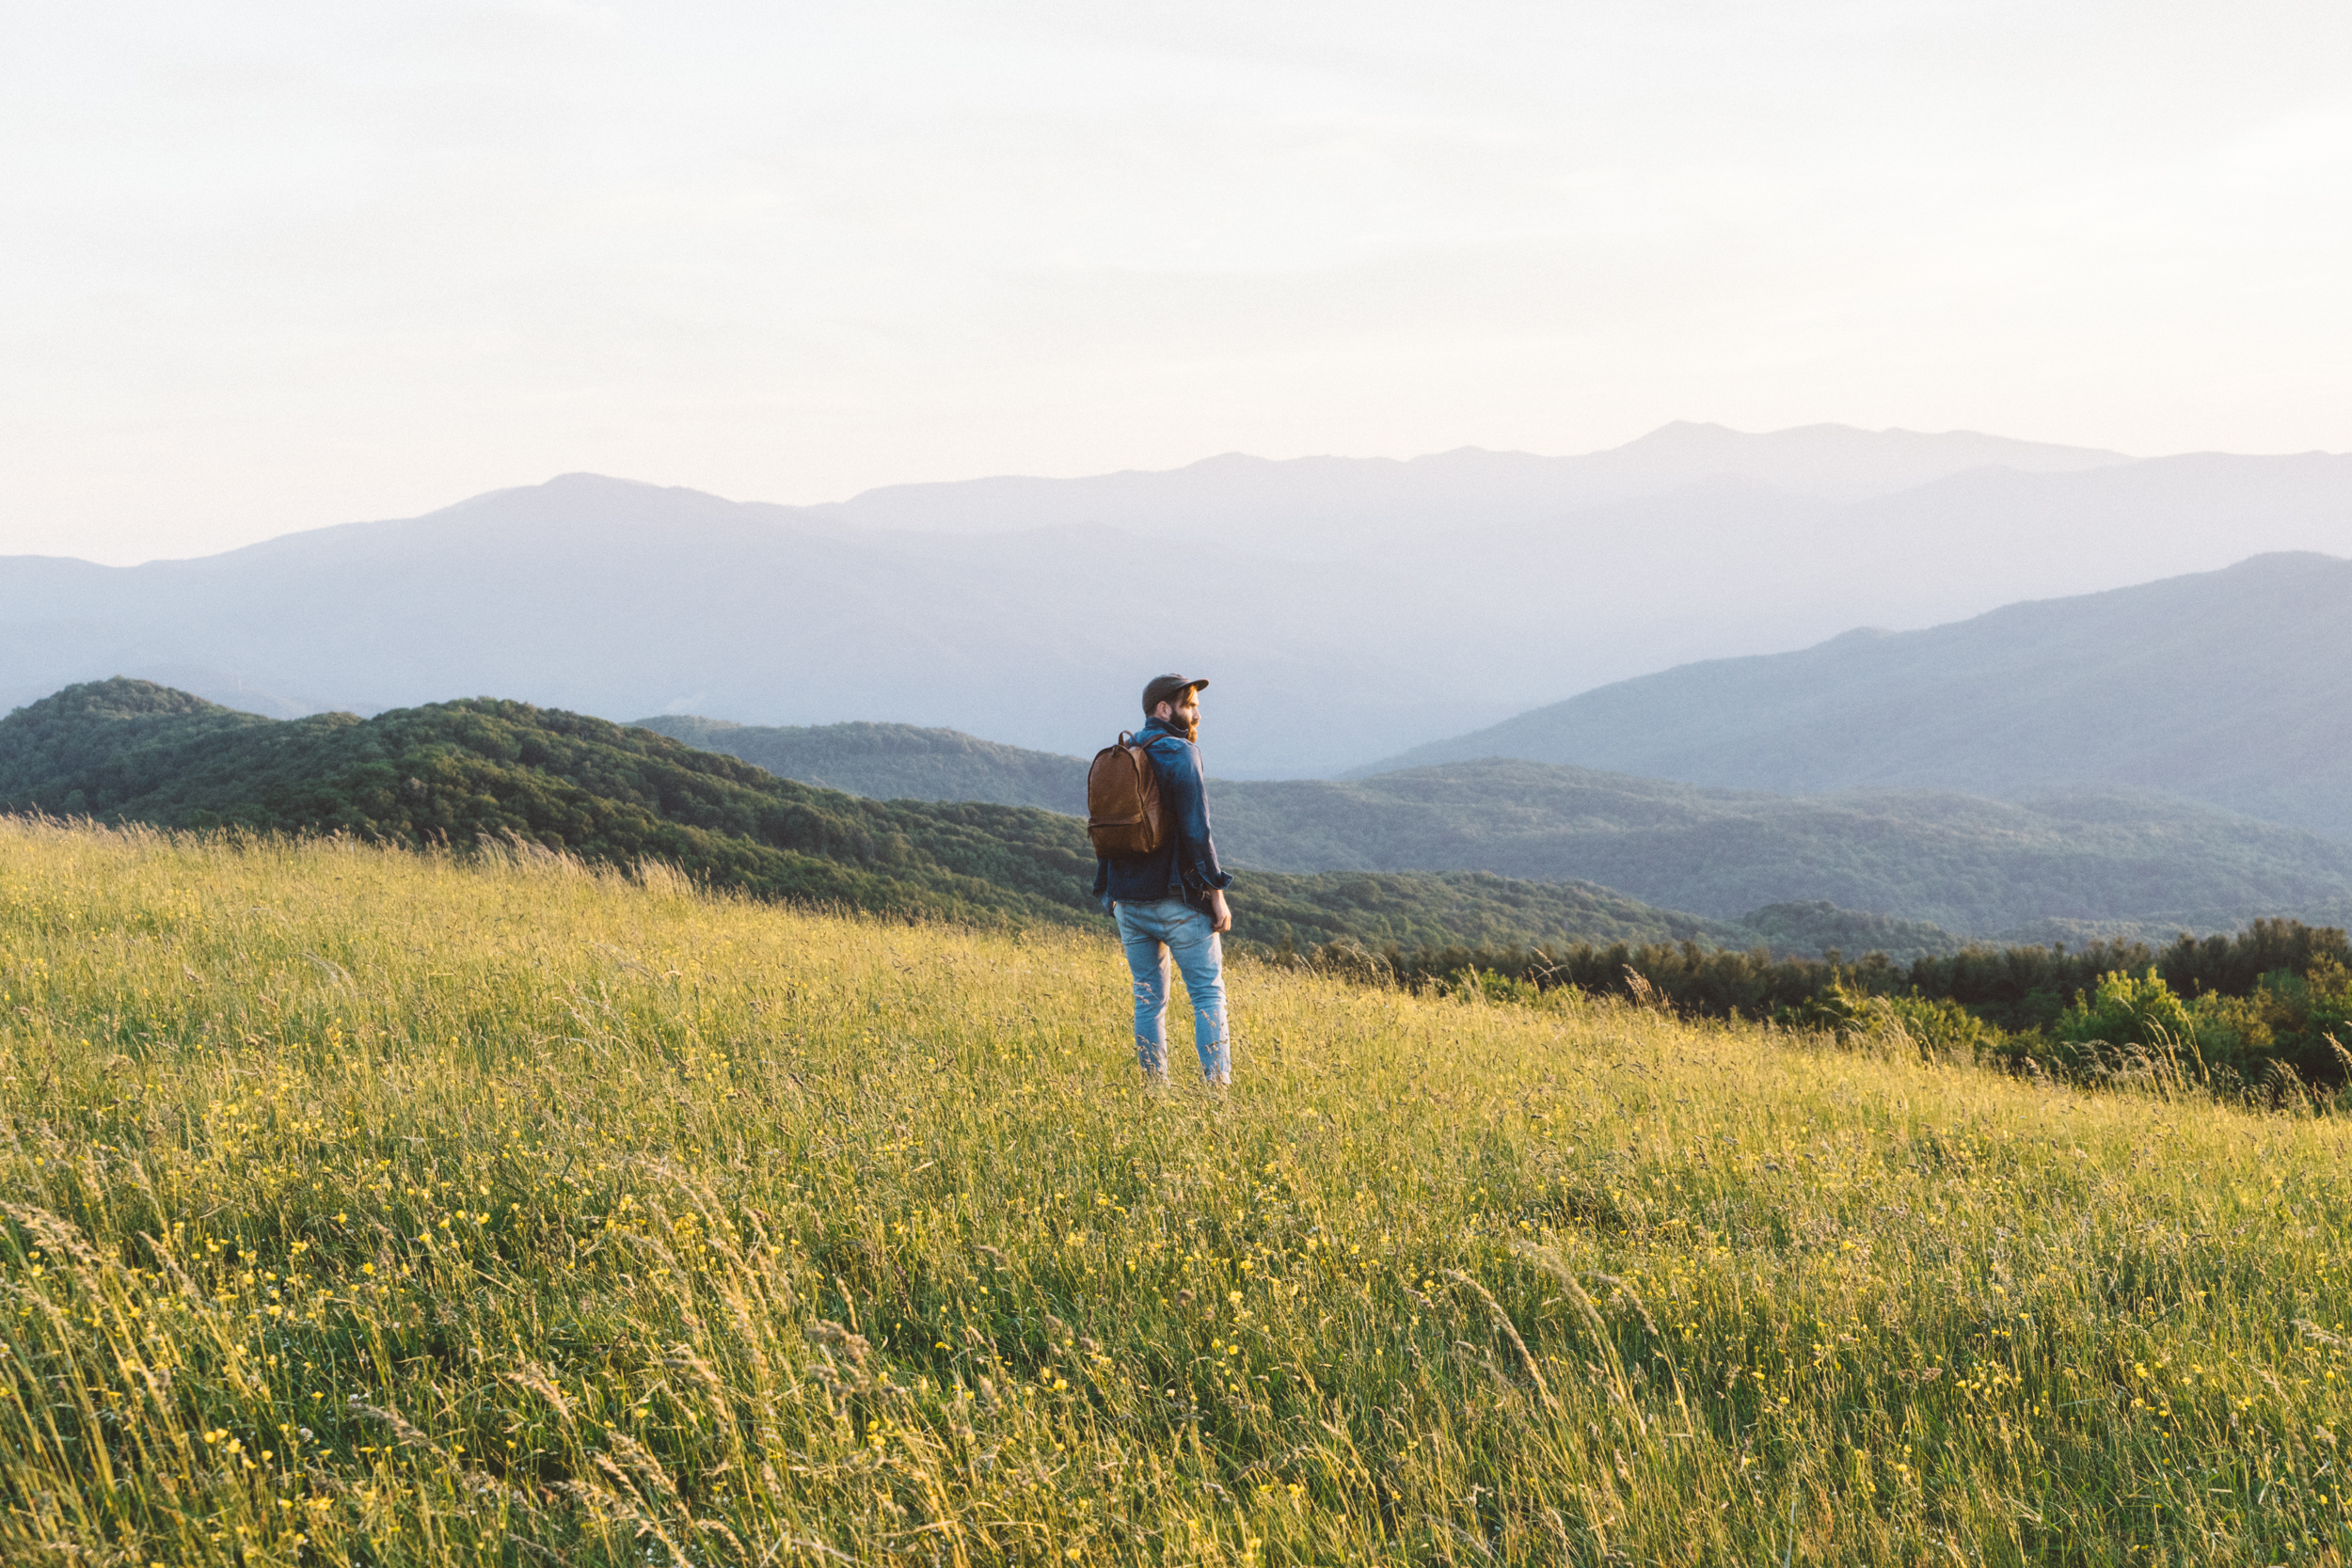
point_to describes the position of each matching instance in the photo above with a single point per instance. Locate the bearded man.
(1170, 903)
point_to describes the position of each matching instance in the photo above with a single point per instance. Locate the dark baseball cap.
(1168, 689)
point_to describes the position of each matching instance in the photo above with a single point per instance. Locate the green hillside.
(1822, 927)
(2088, 863)
(456, 774)
(893, 762)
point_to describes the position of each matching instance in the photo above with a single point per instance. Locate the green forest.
(2267, 1009)
(893, 762)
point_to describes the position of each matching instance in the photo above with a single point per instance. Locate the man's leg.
(1200, 958)
(1146, 959)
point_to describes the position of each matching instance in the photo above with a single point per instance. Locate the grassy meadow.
(363, 1206)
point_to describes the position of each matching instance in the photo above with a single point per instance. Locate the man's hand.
(1220, 913)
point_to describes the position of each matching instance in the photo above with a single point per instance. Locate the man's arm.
(1196, 848)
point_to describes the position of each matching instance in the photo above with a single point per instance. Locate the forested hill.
(451, 772)
(892, 762)
(457, 772)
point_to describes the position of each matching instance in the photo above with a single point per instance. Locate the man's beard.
(1178, 724)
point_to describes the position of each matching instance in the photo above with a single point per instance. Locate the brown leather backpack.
(1123, 800)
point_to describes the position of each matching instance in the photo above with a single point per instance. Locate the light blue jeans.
(1153, 932)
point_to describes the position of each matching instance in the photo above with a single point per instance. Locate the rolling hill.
(2106, 862)
(459, 773)
(1448, 593)
(2225, 688)
(893, 762)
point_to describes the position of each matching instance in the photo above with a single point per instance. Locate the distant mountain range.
(1325, 505)
(2064, 866)
(1347, 610)
(2225, 688)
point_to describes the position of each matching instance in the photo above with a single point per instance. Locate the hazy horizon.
(271, 267)
(849, 503)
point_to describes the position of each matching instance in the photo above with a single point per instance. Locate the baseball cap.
(1168, 689)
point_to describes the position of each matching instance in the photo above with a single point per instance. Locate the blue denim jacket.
(1184, 865)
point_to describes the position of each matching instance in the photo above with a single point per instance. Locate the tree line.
(2271, 1001)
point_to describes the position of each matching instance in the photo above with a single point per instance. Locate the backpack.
(1123, 800)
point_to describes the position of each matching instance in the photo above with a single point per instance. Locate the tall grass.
(366, 1208)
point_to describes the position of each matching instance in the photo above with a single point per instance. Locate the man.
(1171, 902)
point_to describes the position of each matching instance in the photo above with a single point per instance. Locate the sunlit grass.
(368, 1207)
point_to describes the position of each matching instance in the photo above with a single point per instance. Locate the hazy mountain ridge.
(1236, 497)
(1460, 588)
(2224, 688)
(598, 595)
(1967, 865)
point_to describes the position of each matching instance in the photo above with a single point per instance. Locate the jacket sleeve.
(1196, 851)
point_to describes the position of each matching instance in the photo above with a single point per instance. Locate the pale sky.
(267, 266)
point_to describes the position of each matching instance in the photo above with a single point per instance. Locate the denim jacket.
(1184, 865)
